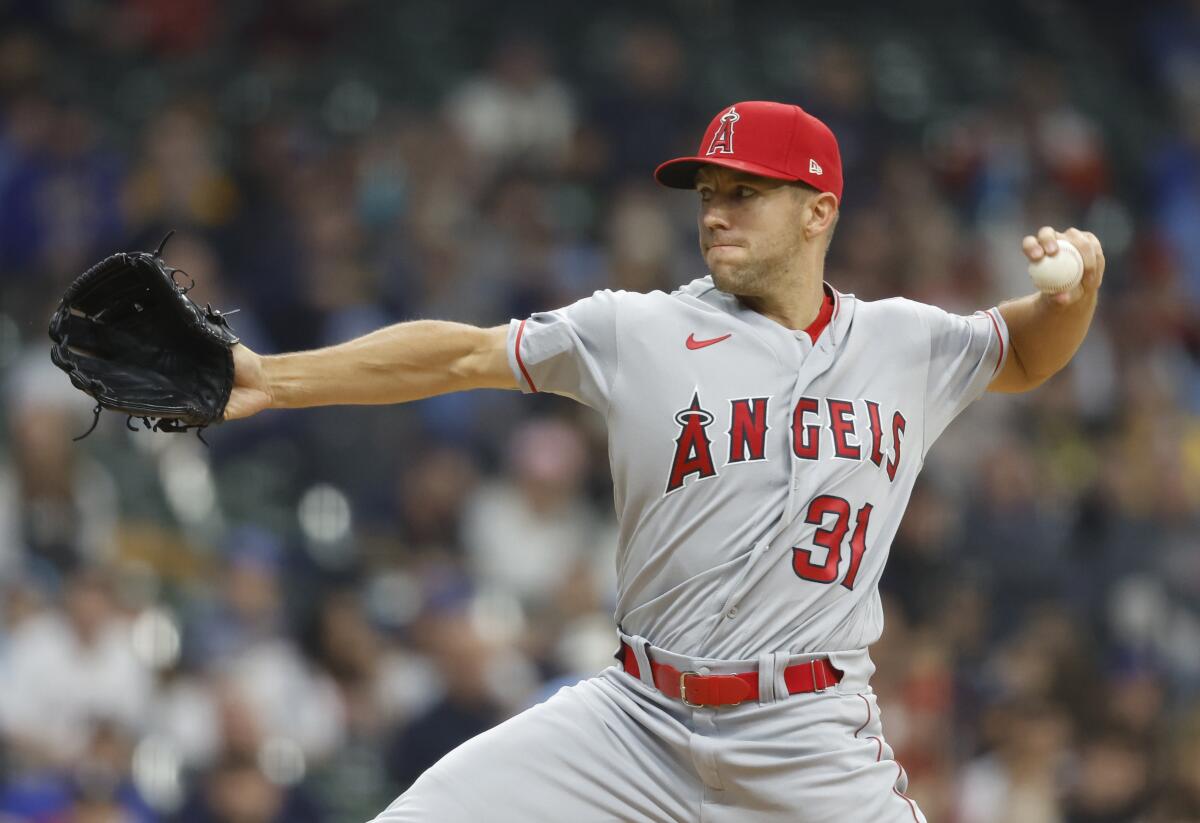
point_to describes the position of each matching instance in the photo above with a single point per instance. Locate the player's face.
(749, 229)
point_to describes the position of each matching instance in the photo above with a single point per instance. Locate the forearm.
(399, 363)
(1044, 335)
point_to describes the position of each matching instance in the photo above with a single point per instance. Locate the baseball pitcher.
(765, 432)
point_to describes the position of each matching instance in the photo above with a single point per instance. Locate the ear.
(819, 214)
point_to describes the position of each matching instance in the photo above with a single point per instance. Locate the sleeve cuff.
(1001, 336)
(516, 333)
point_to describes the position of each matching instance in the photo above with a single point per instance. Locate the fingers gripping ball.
(1060, 272)
(128, 335)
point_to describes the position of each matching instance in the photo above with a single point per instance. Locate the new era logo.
(814, 167)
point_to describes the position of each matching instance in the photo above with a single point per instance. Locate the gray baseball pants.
(612, 748)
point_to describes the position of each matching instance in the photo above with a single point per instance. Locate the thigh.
(811, 759)
(592, 752)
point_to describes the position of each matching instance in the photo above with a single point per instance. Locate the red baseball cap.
(768, 139)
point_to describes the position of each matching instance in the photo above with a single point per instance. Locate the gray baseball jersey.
(759, 476)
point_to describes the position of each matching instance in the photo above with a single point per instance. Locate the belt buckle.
(815, 670)
(683, 690)
(686, 702)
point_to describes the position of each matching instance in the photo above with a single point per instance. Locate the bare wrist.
(272, 384)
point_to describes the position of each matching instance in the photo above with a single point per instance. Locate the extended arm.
(407, 361)
(1045, 331)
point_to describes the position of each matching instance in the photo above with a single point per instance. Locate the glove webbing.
(158, 424)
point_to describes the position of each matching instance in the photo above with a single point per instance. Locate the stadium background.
(293, 623)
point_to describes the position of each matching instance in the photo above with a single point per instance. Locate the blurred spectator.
(270, 689)
(1170, 33)
(1113, 781)
(235, 790)
(516, 111)
(1020, 779)
(642, 110)
(1064, 141)
(530, 535)
(185, 715)
(835, 76)
(641, 243)
(380, 687)
(98, 787)
(180, 181)
(46, 713)
(59, 188)
(921, 564)
(1178, 798)
(432, 491)
(173, 31)
(250, 608)
(290, 699)
(1013, 537)
(466, 663)
(58, 506)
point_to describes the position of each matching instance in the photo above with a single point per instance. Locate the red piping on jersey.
(999, 337)
(822, 320)
(868, 720)
(879, 757)
(905, 797)
(524, 372)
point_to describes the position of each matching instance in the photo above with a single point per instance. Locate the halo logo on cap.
(722, 142)
(775, 140)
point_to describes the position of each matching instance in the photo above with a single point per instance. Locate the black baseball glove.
(127, 334)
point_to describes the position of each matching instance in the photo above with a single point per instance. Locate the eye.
(745, 191)
(705, 194)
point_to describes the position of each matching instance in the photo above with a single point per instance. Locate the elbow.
(1016, 377)
(1031, 380)
(1032, 383)
(484, 365)
(1036, 375)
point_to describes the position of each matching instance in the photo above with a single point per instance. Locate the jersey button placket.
(732, 613)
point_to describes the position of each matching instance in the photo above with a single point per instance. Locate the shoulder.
(892, 310)
(702, 295)
(697, 294)
(943, 329)
(901, 322)
(700, 288)
(903, 309)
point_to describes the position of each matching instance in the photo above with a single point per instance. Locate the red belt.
(696, 689)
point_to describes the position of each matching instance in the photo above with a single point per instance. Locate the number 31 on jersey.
(831, 538)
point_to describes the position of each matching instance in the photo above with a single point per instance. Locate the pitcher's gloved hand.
(128, 335)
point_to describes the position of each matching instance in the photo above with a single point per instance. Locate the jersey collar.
(826, 335)
(814, 329)
(836, 312)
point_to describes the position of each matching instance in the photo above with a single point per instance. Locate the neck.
(795, 306)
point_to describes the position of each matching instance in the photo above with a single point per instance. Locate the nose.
(713, 217)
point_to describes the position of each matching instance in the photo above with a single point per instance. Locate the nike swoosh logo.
(693, 343)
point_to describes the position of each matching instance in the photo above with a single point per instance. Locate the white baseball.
(1059, 272)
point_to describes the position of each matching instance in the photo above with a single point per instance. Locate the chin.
(723, 281)
(729, 282)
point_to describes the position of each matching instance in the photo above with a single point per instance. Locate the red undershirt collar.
(818, 325)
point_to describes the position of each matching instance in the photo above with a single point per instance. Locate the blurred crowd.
(293, 623)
